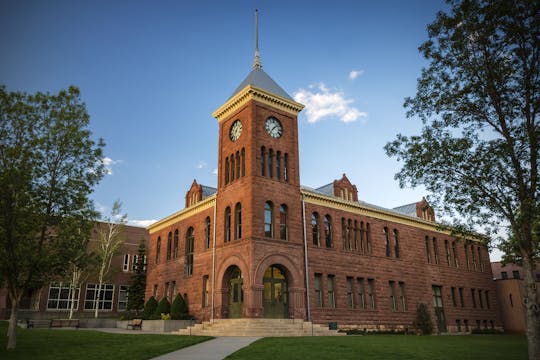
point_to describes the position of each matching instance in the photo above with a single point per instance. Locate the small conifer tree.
(423, 322)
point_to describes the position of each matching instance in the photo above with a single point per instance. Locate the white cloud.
(214, 172)
(201, 164)
(355, 73)
(109, 163)
(143, 223)
(320, 103)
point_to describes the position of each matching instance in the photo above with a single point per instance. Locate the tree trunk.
(532, 310)
(12, 329)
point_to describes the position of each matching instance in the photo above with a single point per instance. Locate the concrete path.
(215, 349)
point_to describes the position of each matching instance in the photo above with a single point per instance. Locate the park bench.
(65, 323)
(135, 324)
(38, 323)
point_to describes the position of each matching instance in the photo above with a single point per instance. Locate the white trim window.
(60, 295)
(134, 262)
(105, 300)
(125, 266)
(122, 297)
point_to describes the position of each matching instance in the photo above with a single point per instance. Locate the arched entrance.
(275, 293)
(236, 293)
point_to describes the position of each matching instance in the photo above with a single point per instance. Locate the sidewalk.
(215, 349)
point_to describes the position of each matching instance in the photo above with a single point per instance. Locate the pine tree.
(137, 288)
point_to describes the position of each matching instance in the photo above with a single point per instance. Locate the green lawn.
(57, 344)
(373, 347)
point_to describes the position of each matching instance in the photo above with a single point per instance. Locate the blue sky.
(152, 72)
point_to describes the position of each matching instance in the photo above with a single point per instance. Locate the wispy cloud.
(142, 223)
(355, 73)
(109, 163)
(201, 164)
(214, 172)
(321, 103)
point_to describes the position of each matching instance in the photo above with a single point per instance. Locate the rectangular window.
(428, 253)
(361, 295)
(371, 293)
(473, 297)
(134, 262)
(466, 323)
(447, 251)
(437, 297)
(480, 300)
(473, 258)
(480, 259)
(350, 294)
(486, 293)
(453, 290)
(478, 324)
(155, 291)
(60, 295)
(331, 294)
(392, 295)
(167, 291)
(458, 325)
(454, 253)
(173, 290)
(122, 297)
(515, 274)
(125, 266)
(466, 248)
(435, 251)
(402, 298)
(461, 301)
(318, 290)
(504, 275)
(206, 291)
(104, 300)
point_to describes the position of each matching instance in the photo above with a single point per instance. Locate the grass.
(92, 345)
(374, 347)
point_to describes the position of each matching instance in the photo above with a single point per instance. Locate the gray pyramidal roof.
(258, 78)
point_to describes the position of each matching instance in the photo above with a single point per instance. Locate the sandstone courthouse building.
(261, 245)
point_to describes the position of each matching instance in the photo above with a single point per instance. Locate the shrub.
(179, 309)
(164, 307)
(165, 316)
(150, 307)
(423, 323)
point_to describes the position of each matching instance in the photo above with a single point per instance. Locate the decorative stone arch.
(294, 276)
(224, 278)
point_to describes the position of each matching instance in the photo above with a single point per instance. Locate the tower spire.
(257, 60)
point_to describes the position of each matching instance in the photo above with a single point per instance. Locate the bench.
(38, 323)
(65, 323)
(135, 324)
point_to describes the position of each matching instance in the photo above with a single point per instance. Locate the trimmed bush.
(149, 308)
(179, 309)
(423, 323)
(164, 307)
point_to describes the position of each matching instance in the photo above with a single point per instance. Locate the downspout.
(213, 264)
(308, 307)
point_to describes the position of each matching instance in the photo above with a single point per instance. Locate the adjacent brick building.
(262, 245)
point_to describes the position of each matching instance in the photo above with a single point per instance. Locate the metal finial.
(257, 60)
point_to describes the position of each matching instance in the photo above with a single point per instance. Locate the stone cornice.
(251, 92)
(182, 214)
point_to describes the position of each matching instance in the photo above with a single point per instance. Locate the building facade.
(261, 245)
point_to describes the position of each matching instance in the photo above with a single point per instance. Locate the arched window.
(232, 167)
(270, 162)
(169, 245)
(387, 242)
(238, 165)
(207, 232)
(328, 231)
(190, 242)
(263, 161)
(344, 233)
(278, 165)
(158, 249)
(238, 221)
(368, 238)
(243, 162)
(268, 220)
(283, 222)
(227, 222)
(362, 238)
(349, 234)
(175, 247)
(396, 243)
(355, 235)
(286, 167)
(315, 229)
(226, 170)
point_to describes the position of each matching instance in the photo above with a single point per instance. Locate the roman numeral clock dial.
(273, 127)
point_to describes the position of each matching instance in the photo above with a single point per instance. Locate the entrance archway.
(275, 296)
(236, 293)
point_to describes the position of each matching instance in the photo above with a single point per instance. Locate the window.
(515, 274)
(458, 325)
(391, 285)
(447, 251)
(134, 262)
(207, 231)
(173, 290)
(263, 161)
(205, 290)
(238, 164)
(350, 294)
(238, 221)
(428, 253)
(190, 241)
(268, 219)
(486, 293)
(478, 324)
(461, 300)
(315, 229)
(175, 245)
(283, 222)
(328, 231)
(344, 233)
(155, 291)
(232, 167)
(270, 162)
(466, 323)
(61, 295)
(466, 248)
(454, 302)
(226, 170)
(125, 264)
(355, 231)
(435, 251)
(454, 253)
(169, 245)
(473, 298)
(158, 249)
(480, 260)
(362, 238)
(227, 224)
(331, 294)
(480, 300)
(166, 292)
(361, 296)
(371, 294)
(318, 290)
(396, 243)
(473, 258)
(387, 242)
(122, 297)
(511, 300)
(368, 238)
(105, 299)
(402, 298)
(437, 297)
(243, 154)
(286, 167)
(278, 165)
(504, 275)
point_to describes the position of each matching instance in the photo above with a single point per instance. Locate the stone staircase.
(259, 328)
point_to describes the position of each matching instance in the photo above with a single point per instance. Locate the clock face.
(236, 130)
(273, 127)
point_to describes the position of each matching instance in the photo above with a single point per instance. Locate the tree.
(179, 309)
(479, 101)
(137, 289)
(48, 167)
(423, 322)
(110, 238)
(150, 307)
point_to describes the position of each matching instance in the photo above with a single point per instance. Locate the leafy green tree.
(479, 101)
(137, 288)
(49, 165)
(179, 309)
(150, 307)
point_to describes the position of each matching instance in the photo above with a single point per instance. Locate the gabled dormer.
(420, 209)
(198, 193)
(341, 188)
